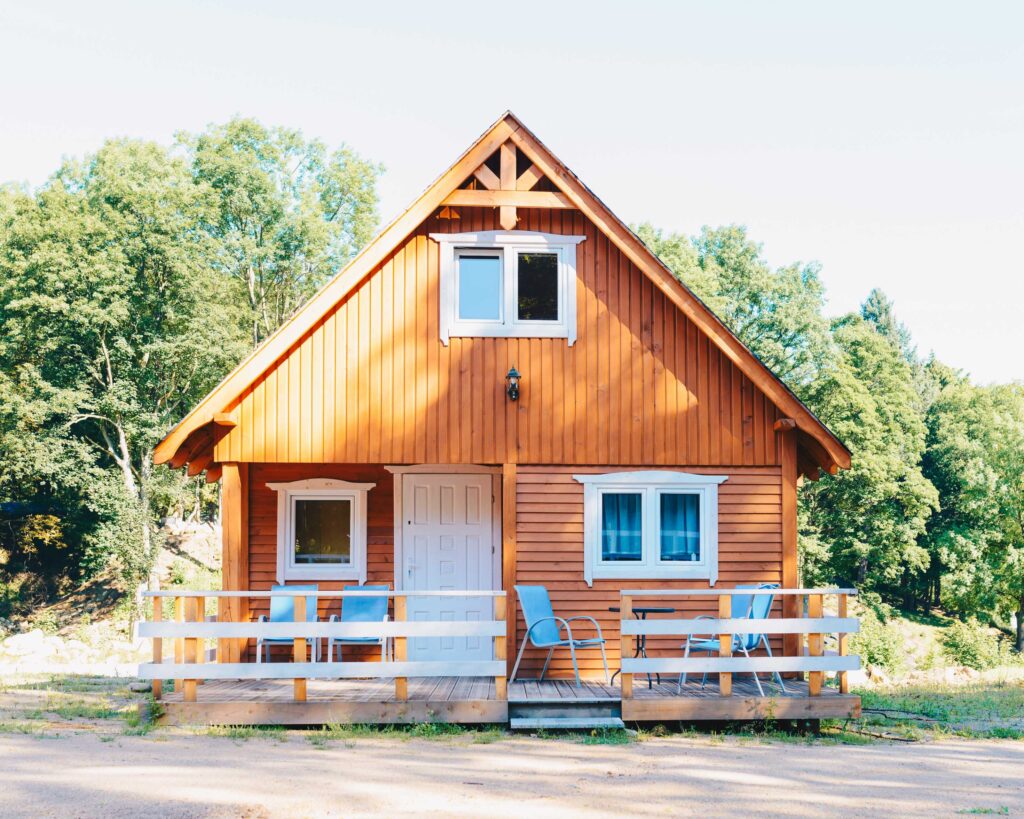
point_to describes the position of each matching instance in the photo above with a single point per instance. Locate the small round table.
(640, 646)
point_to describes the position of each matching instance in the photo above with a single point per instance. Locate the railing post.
(299, 648)
(158, 646)
(500, 650)
(223, 649)
(401, 651)
(625, 612)
(200, 642)
(844, 645)
(724, 645)
(179, 642)
(191, 648)
(814, 645)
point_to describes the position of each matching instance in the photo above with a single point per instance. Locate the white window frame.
(650, 485)
(508, 243)
(320, 489)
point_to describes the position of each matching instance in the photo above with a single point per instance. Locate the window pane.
(323, 532)
(480, 287)
(538, 286)
(680, 527)
(621, 534)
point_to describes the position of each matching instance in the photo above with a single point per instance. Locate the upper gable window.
(508, 283)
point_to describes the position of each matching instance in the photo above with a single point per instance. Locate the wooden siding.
(380, 540)
(372, 383)
(549, 551)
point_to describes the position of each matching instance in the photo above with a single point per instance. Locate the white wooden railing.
(810, 658)
(191, 628)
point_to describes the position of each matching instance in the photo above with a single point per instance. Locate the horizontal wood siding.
(372, 383)
(380, 542)
(549, 551)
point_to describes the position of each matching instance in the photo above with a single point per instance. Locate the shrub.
(972, 644)
(878, 642)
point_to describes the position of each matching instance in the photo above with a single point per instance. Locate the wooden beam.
(507, 216)
(299, 646)
(790, 603)
(844, 645)
(191, 447)
(234, 515)
(401, 650)
(501, 651)
(724, 645)
(818, 454)
(522, 199)
(200, 463)
(785, 424)
(508, 554)
(213, 473)
(487, 177)
(225, 420)
(158, 645)
(530, 177)
(815, 644)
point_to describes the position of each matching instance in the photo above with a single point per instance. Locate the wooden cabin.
(506, 387)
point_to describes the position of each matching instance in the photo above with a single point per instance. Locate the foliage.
(878, 643)
(972, 644)
(286, 213)
(121, 305)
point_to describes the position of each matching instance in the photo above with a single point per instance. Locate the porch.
(210, 688)
(474, 700)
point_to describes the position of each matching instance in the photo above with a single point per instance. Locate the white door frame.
(448, 469)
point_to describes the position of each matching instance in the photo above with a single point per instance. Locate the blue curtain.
(680, 527)
(621, 531)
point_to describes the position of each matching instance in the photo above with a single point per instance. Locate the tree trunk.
(1020, 624)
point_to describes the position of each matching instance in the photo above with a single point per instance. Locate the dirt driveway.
(82, 775)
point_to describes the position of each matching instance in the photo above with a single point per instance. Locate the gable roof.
(199, 429)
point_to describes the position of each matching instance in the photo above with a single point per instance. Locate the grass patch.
(981, 710)
(1000, 811)
(349, 733)
(246, 732)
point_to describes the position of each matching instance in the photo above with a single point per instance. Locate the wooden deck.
(473, 700)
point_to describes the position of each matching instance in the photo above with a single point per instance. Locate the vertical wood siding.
(372, 383)
(380, 541)
(549, 551)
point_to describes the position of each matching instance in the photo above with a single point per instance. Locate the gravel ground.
(187, 775)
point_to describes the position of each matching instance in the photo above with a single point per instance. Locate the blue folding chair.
(744, 607)
(282, 610)
(544, 630)
(361, 610)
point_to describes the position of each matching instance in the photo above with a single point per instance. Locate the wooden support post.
(401, 651)
(625, 647)
(158, 645)
(191, 648)
(225, 647)
(844, 645)
(179, 642)
(500, 651)
(200, 614)
(299, 648)
(508, 557)
(507, 216)
(791, 643)
(814, 645)
(725, 645)
(234, 509)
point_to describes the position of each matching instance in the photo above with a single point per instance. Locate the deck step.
(564, 723)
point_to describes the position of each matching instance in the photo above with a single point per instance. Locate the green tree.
(864, 523)
(113, 322)
(286, 213)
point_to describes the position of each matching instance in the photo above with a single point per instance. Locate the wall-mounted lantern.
(512, 384)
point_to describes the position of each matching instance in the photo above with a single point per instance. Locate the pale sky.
(884, 140)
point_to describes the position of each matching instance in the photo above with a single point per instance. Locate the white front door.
(448, 544)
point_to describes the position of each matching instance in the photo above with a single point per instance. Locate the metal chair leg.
(704, 679)
(682, 676)
(604, 659)
(575, 666)
(544, 670)
(757, 680)
(778, 676)
(519, 657)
